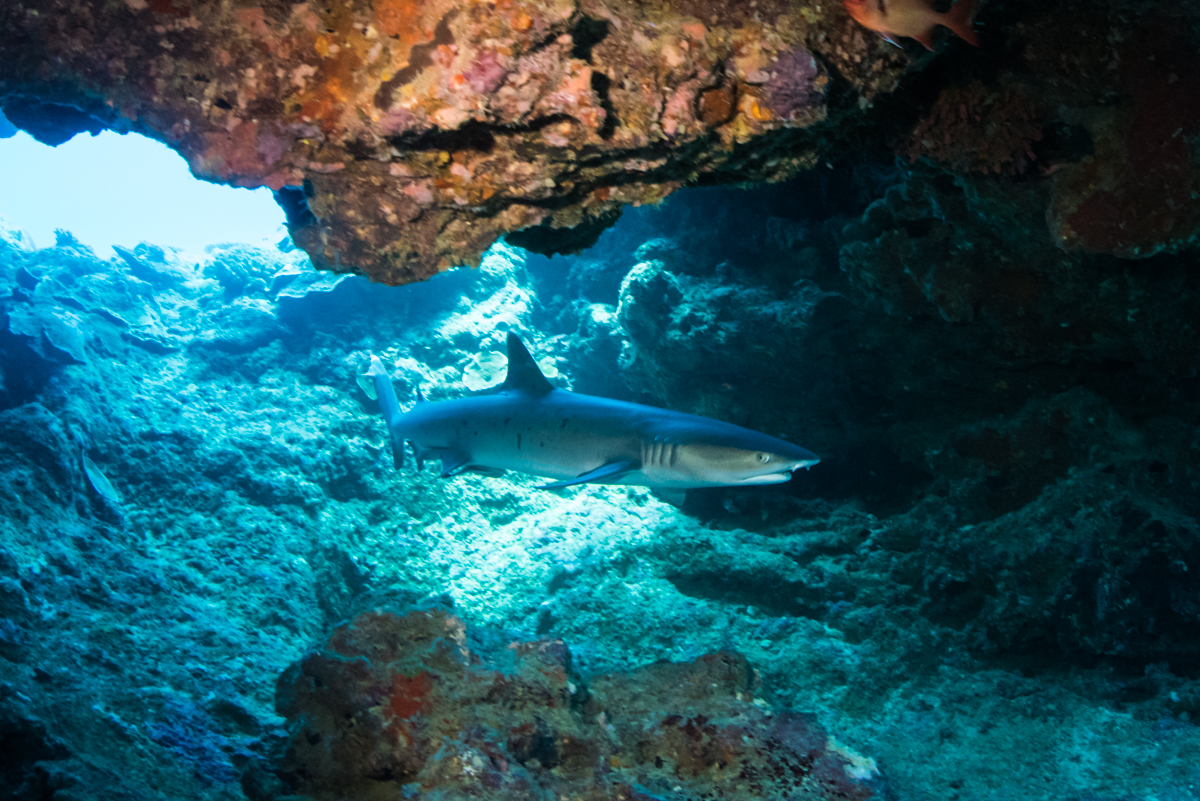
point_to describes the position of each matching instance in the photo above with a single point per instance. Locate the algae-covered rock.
(245, 325)
(52, 332)
(394, 703)
(396, 164)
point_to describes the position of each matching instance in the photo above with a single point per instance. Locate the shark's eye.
(763, 458)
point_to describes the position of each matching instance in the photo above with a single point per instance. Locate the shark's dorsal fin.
(523, 372)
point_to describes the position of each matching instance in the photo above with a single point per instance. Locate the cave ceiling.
(403, 137)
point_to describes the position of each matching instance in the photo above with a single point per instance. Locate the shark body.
(531, 427)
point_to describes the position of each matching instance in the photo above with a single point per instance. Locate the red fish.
(915, 19)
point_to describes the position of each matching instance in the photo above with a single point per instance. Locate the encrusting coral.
(399, 704)
(975, 128)
(405, 137)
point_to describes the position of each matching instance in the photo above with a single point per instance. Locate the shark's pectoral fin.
(418, 457)
(675, 497)
(605, 473)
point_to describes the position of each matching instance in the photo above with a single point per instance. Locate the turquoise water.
(989, 588)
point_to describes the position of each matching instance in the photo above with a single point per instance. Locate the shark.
(530, 426)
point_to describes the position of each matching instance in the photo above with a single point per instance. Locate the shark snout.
(802, 458)
(796, 462)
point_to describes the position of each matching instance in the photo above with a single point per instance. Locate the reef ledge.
(403, 137)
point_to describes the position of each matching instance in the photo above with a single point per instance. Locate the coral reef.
(1136, 195)
(1101, 102)
(401, 706)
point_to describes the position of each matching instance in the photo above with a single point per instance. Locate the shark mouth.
(769, 478)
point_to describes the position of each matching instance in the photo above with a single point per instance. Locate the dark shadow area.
(50, 123)
(23, 373)
(549, 241)
(586, 34)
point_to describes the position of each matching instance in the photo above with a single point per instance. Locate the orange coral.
(974, 128)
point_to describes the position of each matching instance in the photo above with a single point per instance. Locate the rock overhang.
(403, 137)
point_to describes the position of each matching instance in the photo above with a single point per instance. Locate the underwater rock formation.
(400, 706)
(404, 137)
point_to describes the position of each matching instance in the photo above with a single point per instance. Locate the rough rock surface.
(401, 706)
(404, 136)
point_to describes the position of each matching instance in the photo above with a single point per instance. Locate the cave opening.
(111, 189)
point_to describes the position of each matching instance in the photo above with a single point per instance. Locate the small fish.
(98, 480)
(915, 19)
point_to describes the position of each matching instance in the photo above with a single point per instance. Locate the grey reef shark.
(532, 427)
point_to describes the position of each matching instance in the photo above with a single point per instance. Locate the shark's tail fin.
(380, 388)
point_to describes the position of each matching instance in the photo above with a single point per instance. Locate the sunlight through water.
(117, 189)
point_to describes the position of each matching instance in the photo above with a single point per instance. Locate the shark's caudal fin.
(523, 373)
(381, 389)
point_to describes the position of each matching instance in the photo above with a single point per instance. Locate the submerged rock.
(403, 138)
(485, 370)
(52, 332)
(401, 706)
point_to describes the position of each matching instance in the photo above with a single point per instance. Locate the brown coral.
(398, 706)
(976, 128)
